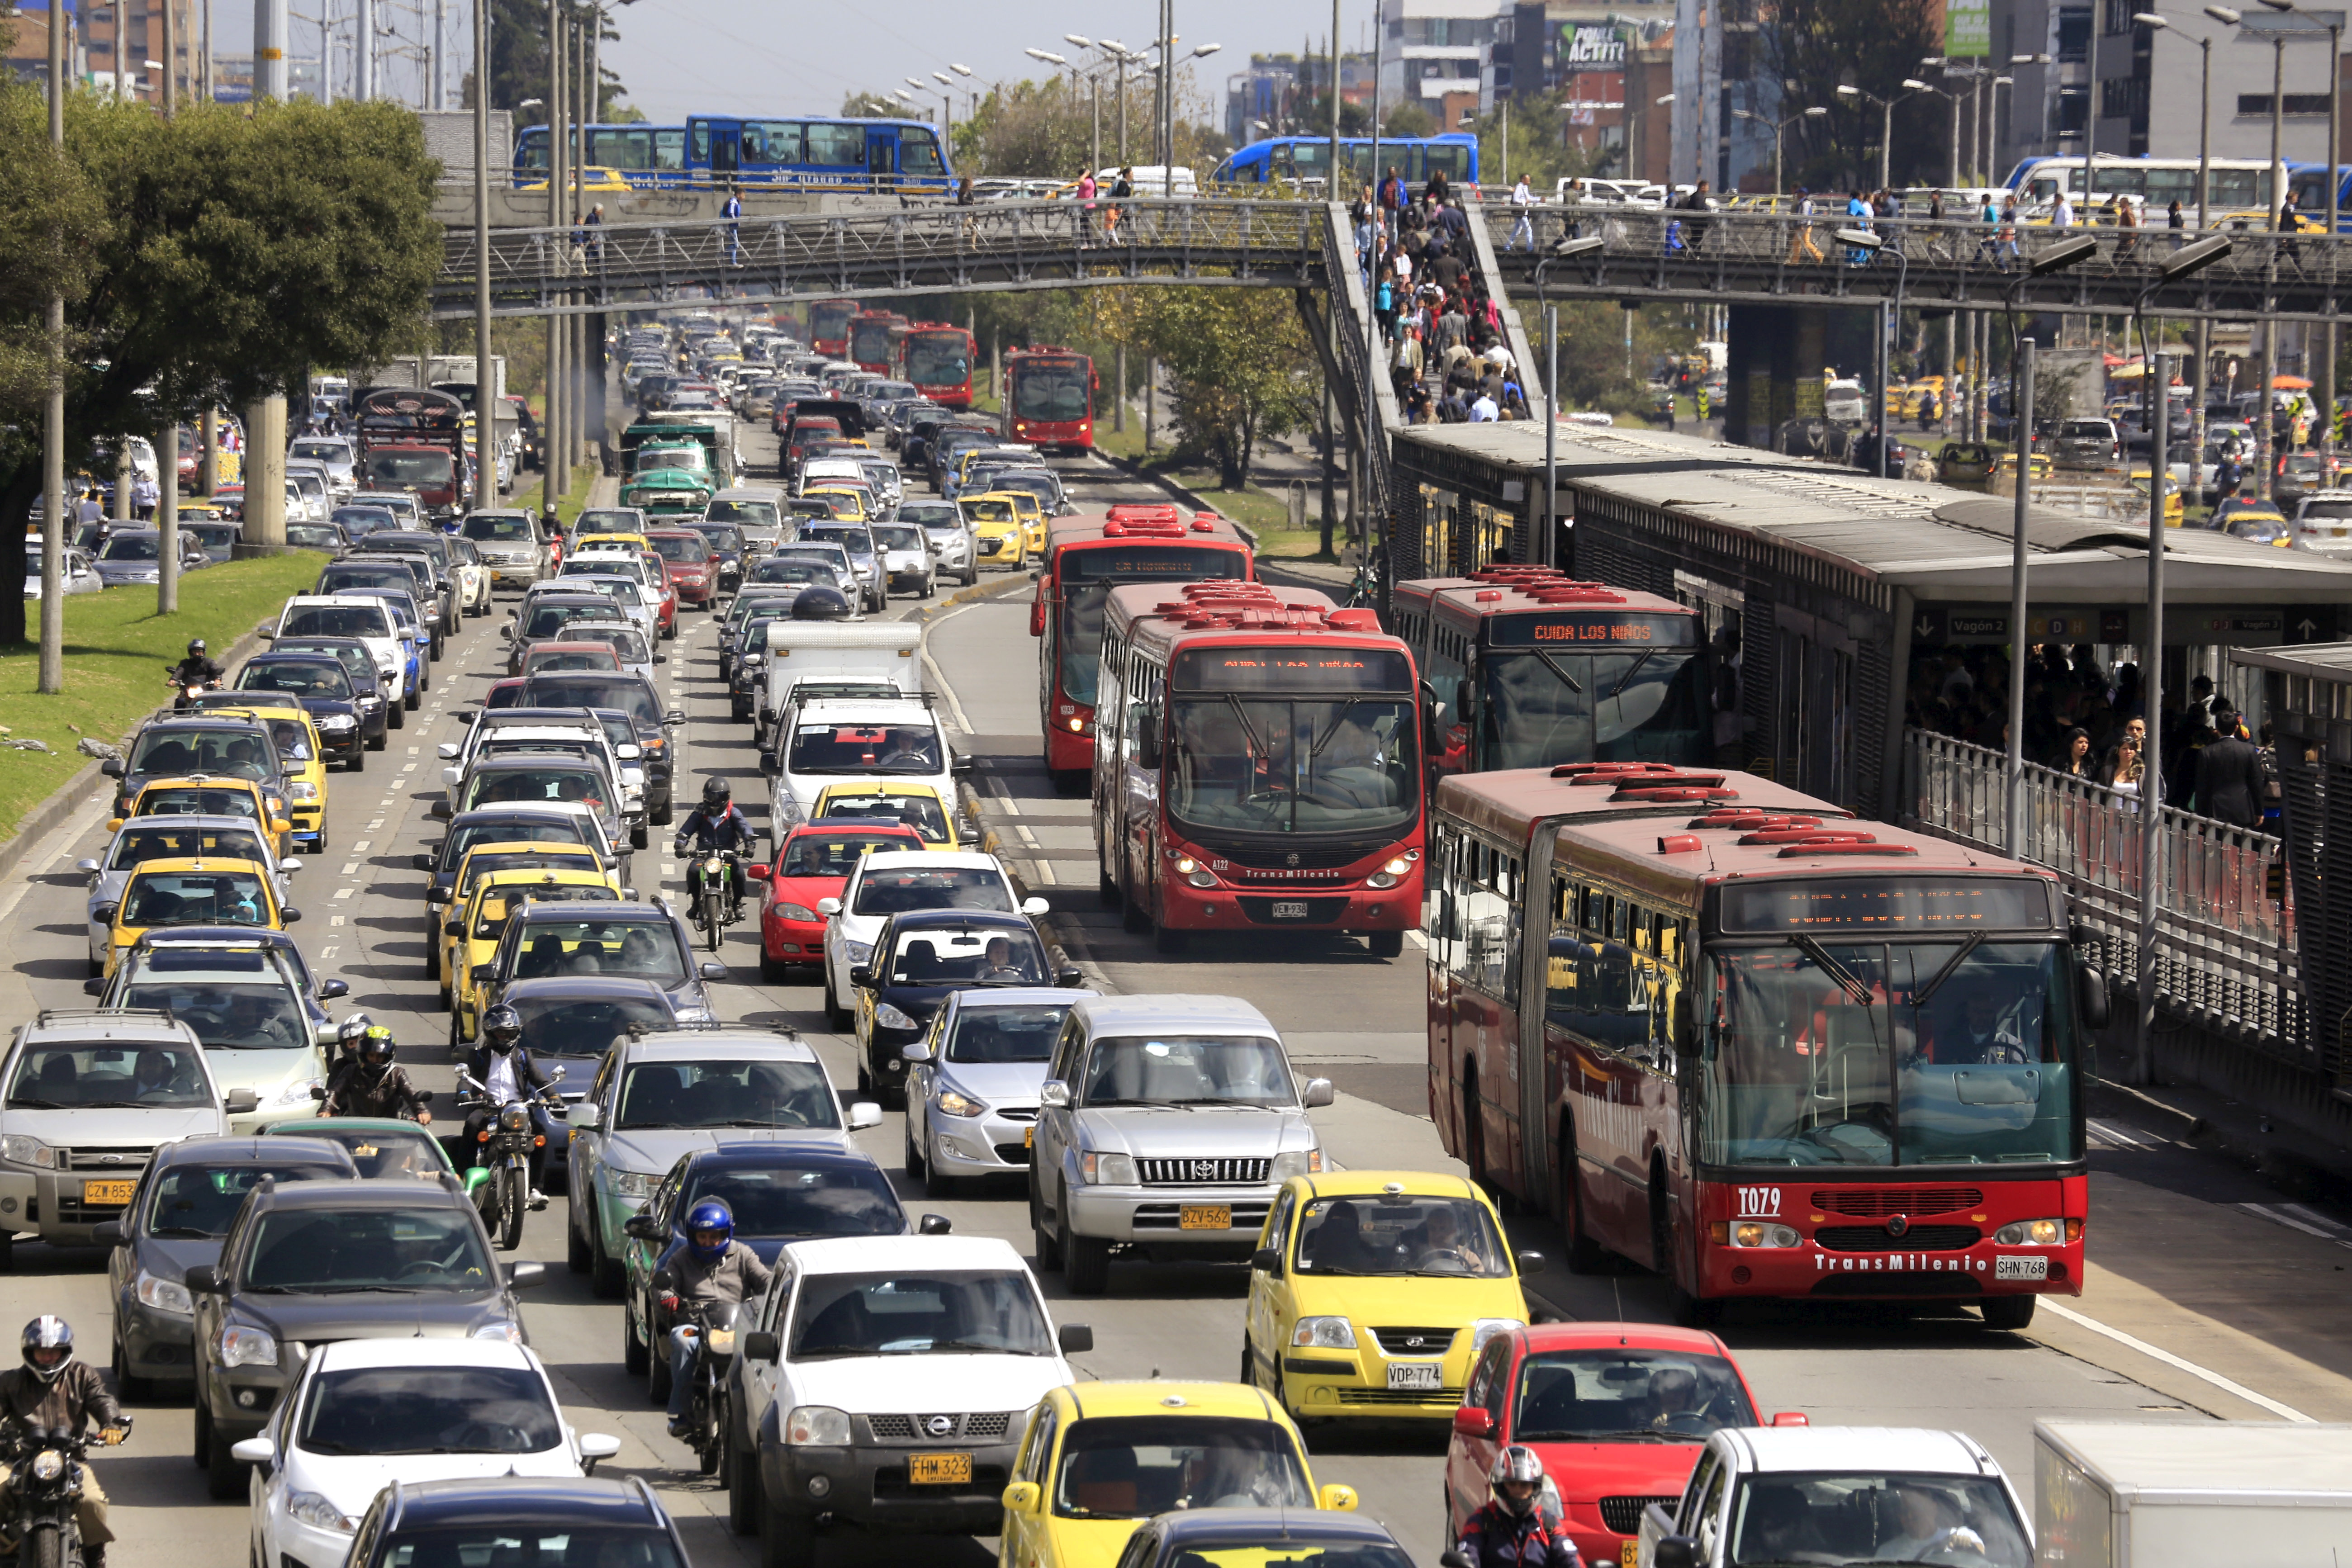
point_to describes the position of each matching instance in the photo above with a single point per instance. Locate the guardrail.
(2226, 953)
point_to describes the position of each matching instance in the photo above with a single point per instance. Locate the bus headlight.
(1192, 871)
(1389, 874)
(1750, 1233)
(2037, 1233)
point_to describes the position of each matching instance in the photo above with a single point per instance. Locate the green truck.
(670, 476)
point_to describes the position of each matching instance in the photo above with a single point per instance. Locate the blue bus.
(1309, 158)
(809, 151)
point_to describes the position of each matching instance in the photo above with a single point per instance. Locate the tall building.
(1437, 54)
(1271, 97)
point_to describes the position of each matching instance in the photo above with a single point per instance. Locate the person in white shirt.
(2061, 212)
(1483, 410)
(1523, 202)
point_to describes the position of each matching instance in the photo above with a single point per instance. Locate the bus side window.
(670, 151)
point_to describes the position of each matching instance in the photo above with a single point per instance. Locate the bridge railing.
(2225, 938)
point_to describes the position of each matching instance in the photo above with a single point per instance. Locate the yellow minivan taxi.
(858, 496)
(1099, 1458)
(917, 806)
(1372, 1291)
(997, 537)
(511, 855)
(296, 736)
(188, 891)
(473, 934)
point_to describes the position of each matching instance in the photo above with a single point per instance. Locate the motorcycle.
(706, 1400)
(45, 1485)
(712, 910)
(185, 693)
(504, 1147)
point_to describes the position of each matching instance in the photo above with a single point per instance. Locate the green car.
(386, 1146)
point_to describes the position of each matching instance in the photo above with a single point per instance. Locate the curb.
(2121, 1098)
(1003, 588)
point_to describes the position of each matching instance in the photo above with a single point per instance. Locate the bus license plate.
(1195, 1217)
(939, 1469)
(106, 1192)
(2020, 1268)
(1285, 910)
(1415, 1374)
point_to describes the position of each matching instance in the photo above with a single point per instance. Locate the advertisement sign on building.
(1590, 47)
(1967, 29)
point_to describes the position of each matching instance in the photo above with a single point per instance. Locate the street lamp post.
(1886, 123)
(1816, 112)
(1868, 240)
(2333, 23)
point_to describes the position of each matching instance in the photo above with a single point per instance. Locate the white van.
(1151, 180)
(869, 654)
(832, 741)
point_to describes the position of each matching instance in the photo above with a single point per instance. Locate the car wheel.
(379, 740)
(605, 1277)
(917, 1166)
(129, 1386)
(398, 721)
(358, 762)
(635, 1358)
(413, 700)
(663, 817)
(1085, 1259)
(224, 1473)
(639, 838)
(657, 1363)
(836, 1015)
(576, 1256)
(747, 1497)
(772, 971)
(1048, 1246)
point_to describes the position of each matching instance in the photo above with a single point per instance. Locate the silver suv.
(2087, 444)
(1165, 1125)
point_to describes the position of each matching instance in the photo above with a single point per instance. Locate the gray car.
(132, 555)
(973, 1083)
(154, 837)
(512, 545)
(77, 572)
(951, 537)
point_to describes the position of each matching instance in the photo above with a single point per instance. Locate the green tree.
(518, 60)
(1407, 121)
(864, 105)
(1818, 46)
(1239, 363)
(50, 222)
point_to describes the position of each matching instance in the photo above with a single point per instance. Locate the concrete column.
(121, 510)
(208, 475)
(265, 473)
(167, 517)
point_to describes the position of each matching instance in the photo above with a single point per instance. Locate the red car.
(812, 862)
(1618, 1412)
(686, 556)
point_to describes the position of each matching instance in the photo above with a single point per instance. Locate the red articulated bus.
(1257, 766)
(938, 360)
(1049, 398)
(1728, 1032)
(869, 339)
(1086, 557)
(828, 321)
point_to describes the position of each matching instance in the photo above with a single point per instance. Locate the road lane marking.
(345, 892)
(2107, 1135)
(2311, 1221)
(362, 847)
(350, 867)
(2180, 1363)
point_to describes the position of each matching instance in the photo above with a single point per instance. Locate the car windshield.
(231, 1004)
(988, 509)
(327, 1251)
(732, 539)
(429, 1410)
(361, 519)
(757, 513)
(337, 621)
(188, 800)
(78, 1077)
(498, 904)
(864, 747)
(1293, 765)
(193, 1200)
(404, 1151)
(1134, 1467)
(500, 530)
(901, 889)
(689, 549)
(1237, 1069)
(1626, 1395)
(499, 829)
(584, 1027)
(830, 853)
(549, 1545)
(767, 1093)
(320, 451)
(963, 1312)
(1875, 1517)
(137, 844)
(835, 1200)
(995, 1035)
(1838, 1052)
(313, 535)
(790, 569)
(131, 547)
(931, 514)
(643, 948)
(551, 782)
(2327, 509)
(1399, 1234)
(194, 898)
(856, 540)
(1295, 1553)
(354, 659)
(546, 620)
(627, 694)
(923, 812)
(896, 536)
(690, 457)
(299, 678)
(974, 955)
(566, 856)
(342, 576)
(543, 658)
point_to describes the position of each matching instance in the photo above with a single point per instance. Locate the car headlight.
(791, 911)
(1750, 1233)
(888, 1018)
(817, 1424)
(1108, 1169)
(241, 1346)
(2036, 1232)
(1485, 1329)
(856, 951)
(506, 1331)
(317, 1512)
(693, 1015)
(1324, 1334)
(336, 723)
(1297, 1163)
(956, 1104)
(20, 1150)
(163, 1295)
(632, 1184)
(787, 810)
(297, 1091)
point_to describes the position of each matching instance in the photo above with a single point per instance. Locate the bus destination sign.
(1602, 628)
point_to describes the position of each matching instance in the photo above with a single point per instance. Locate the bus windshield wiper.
(1811, 947)
(1630, 674)
(1559, 669)
(1975, 940)
(1332, 733)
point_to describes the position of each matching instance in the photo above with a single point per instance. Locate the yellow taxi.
(856, 497)
(511, 855)
(997, 537)
(629, 541)
(211, 795)
(2040, 468)
(1031, 513)
(1372, 1291)
(296, 735)
(1099, 1458)
(472, 935)
(2173, 508)
(917, 805)
(186, 890)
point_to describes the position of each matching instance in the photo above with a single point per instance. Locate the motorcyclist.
(503, 1065)
(196, 669)
(709, 1268)
(1518, 1527)
(717, 824)
(372, 1084)
(349, 1034)
(50, 1392)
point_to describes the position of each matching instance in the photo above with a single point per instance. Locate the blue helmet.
(710, 1213)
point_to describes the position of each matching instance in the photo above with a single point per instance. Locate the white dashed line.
(362, 847)
(345, 892)
(350, 867)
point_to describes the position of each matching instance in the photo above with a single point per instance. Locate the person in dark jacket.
(52, 1391)
(1518, 1527)
(706, 1271)
(503, 1065)
(371, 1083)
(2229, 775)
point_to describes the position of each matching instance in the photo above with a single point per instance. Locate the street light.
(1887, 123)
(2227, 18)
(1048, 56)
(1816, 112)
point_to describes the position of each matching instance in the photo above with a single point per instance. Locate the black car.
(359, 664)
(321, 682)
(787, 1190)
(200, 743)
(544, 616)
(918, 959)
(306, 1261)
(437, 548)
(629, 694)
(178, 1215)
(545, 1521)
(727, 550)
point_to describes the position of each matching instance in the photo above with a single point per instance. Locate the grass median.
(116, 646)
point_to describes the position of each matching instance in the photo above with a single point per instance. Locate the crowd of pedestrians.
(1441, 322)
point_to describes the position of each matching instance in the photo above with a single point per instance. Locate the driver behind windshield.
(1980, 1035)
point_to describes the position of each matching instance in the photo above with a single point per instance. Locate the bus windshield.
(1086, 578)
(1304, 765)
(1540, 707)
(1055, 391)
(939, 360)
(1835, 1051)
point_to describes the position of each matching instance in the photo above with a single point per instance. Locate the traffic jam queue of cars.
(330, 1283)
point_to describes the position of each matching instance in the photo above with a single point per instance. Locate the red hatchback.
(1618, 1412)
(812, 862)
(686, 556)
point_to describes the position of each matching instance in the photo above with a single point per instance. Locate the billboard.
(1592, 47)
(1967, 29)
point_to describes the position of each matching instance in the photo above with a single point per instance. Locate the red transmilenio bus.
(1086, 557)
(938, 360)
(829, 327)
(870, 338)
(1049, 398)
(1727, 1031)
(1257, 766)
(1528, 668)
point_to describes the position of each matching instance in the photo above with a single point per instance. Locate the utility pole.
(558, 461)
(2275, 176)
(485, 402)
(1331, 315)
(170, 95)
(363, 53)
(54, 515)
(439, 95)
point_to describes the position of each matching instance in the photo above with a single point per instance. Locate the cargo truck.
(2190, 1494)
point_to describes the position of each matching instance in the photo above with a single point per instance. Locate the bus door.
(712, 145)
(882, 155)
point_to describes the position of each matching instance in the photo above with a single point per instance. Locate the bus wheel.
(1585, 1255)
(1385, 943)
(2014, 1313)
(1133, 916)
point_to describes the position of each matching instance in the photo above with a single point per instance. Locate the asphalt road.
(2203, 1287)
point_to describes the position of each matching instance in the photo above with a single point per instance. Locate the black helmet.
(354, 1030)
(502, 1027)
(716, 792)
(820, 604)
(48, 1347)
(376, 1049)
(197, 647)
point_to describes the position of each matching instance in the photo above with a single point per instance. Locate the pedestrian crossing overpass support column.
(1773, 392)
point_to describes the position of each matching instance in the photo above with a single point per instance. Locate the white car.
(899, 882)
(472, 574)
(76, 572)
(500, 732)
(369, 619)
(364, 1413)
(907, 563)
(314, 483)
(823, 742)
(609, 575)
(336, 453)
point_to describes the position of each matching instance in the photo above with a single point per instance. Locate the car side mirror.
(241, 1103)
(1035, 907)
(440, 895)
(448, 751)
(254, 1451)
(1266, 1259)
(1069, 976)
(439, 809)
(505, 634)
(328, 990)
(759, 871)
(204, 1279)
(109, 1233)
(1316, 1094)
(641, 1226)
(595, 1446)
(484, 973)
(523, 1276)
(1452, 1560)
(712, 970)
(960, 764)
(759, 1345)
(661, 658)
(1074, 1338)
(828, 906)
(91, 867)
(1529, 1262)
(675, 716)
(934, 1225)
(453, 928)
(1472, 1421)
(1054, 1094)
(583, 1115)
(1336, 1499)
(862, 975)
(112, 767)
(1024, 1497)
(104, 915)
(96, 985)
(918, 1053)
(1675, 1552)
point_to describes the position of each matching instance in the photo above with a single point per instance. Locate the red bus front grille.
(1877, 1202)
(1917, 1238)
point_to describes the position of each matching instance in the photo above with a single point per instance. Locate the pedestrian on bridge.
(1392, 201)
(1802, 246)
(1086, 195)
(733, 213)
(1523, 202)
